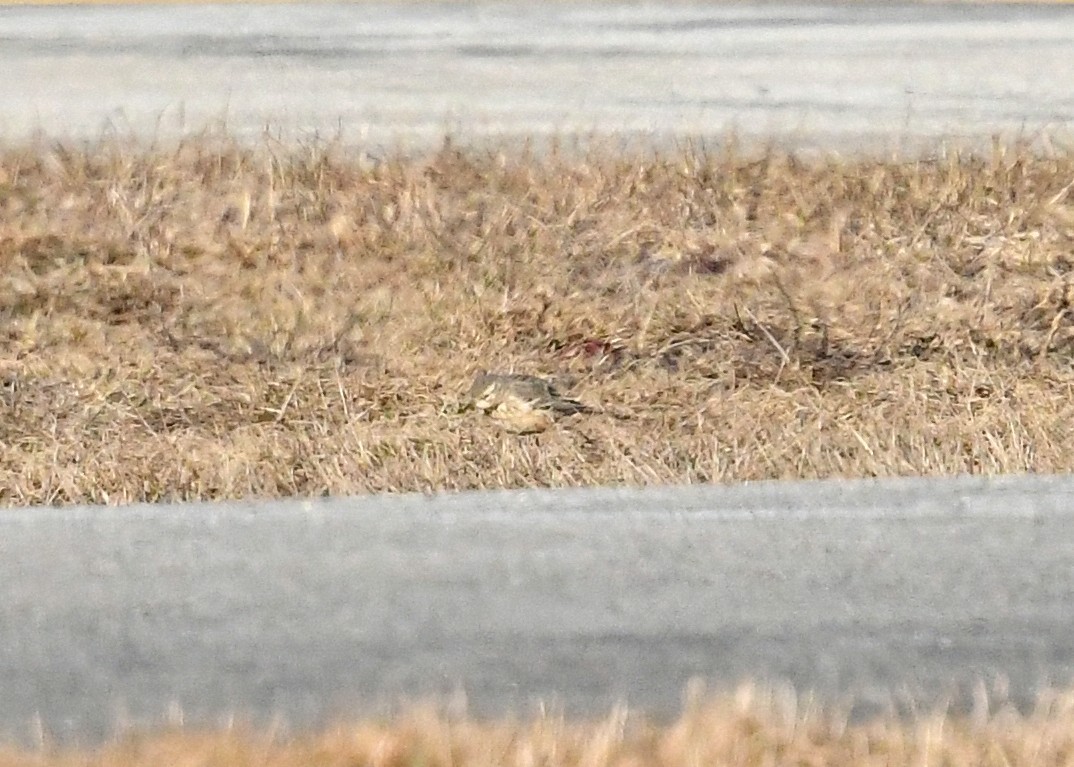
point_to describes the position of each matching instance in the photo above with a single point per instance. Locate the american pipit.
(522, 403)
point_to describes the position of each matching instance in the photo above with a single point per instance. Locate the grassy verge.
(753, 727)
(216, 322)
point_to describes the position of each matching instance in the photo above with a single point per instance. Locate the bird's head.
(481, 391)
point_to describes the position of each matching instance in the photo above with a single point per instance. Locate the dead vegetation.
(212, 321)
(755, 726)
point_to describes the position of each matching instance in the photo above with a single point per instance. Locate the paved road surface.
(315, 610)
(835, 74)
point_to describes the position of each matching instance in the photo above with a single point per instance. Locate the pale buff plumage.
(523, 404)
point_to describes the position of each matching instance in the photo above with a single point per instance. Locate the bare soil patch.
(211, 321)
(752, 727)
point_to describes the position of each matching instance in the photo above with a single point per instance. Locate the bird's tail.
(568, 406)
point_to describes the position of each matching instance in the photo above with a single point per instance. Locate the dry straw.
(212, 321)
(753, 727)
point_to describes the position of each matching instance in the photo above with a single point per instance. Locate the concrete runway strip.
(876, 592)
(835, 74)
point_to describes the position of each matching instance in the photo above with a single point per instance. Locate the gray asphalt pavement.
(876, 592)
(834, 74)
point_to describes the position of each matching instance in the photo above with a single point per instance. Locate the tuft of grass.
(218, 321)
(754, 726)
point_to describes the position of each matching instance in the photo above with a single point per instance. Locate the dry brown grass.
(216, 322)
(753, 727)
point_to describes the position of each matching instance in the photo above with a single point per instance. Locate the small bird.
(524, 404)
